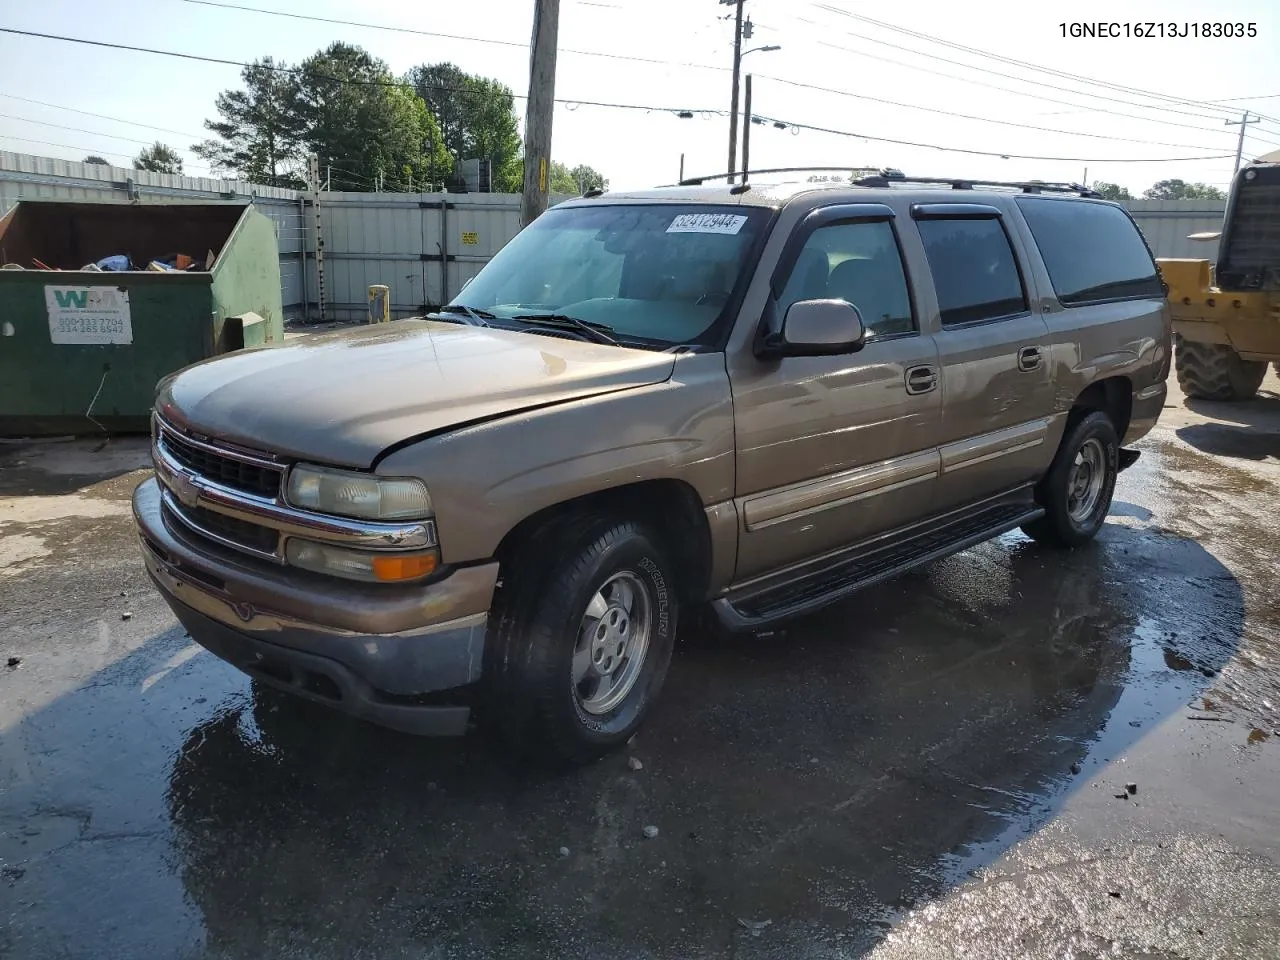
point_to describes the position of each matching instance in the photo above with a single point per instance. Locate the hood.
(343, 398)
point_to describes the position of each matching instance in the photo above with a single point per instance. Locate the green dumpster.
(82, 349)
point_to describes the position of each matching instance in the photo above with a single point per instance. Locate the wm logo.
(72, 298)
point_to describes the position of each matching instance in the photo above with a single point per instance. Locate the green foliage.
(476, 117)
(364, 124)
(1111, 191)
(94, 158)
(158, 158)
(575, 180)
(1181, 190)
(367, 127)
(259, 136)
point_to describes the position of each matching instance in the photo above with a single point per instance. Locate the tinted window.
(1092, 251)
(858, 263)
(973, 269)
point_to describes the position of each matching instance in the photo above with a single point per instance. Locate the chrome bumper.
(375, 644)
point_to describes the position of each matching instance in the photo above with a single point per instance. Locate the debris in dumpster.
(40, 264)
(118, 261)
(159, 267)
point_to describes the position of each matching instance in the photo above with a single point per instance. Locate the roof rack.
(889, 176)
(884, 179)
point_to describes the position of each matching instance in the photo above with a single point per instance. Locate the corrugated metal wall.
(424, 247)
(1166, 224)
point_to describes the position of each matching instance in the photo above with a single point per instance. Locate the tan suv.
(753, 399)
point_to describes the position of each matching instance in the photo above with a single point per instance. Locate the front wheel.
(581, 639)
(1076, 492)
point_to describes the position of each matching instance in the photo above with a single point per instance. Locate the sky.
(902, 79)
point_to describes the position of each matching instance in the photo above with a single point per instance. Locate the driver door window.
(859, 263)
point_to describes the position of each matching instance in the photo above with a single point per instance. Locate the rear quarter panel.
(1093, 342)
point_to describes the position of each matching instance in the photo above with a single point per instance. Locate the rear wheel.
(581, 639)
(1213, 371)
(1076, 492)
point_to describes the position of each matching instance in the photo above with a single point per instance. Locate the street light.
(738, 54)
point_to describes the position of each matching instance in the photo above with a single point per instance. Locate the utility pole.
(746, 131)
(733, 100)
(1242, 123)
(538, 112)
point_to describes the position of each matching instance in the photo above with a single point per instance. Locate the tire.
(544, 688)
(1275, 367)
(1071, 517)
(1213, 371)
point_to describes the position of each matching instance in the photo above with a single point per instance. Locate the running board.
(820, 583)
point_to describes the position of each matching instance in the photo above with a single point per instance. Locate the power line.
(396, 84)
(984, 153)
(102, 116)
(993, 86)
(63, 126)
(89, 151)
(1201, 113)
(444, 36)
(920, 35)
(967, 116)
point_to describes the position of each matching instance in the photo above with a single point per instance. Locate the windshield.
(653, 274)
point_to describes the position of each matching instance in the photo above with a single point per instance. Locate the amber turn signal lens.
(390, 568)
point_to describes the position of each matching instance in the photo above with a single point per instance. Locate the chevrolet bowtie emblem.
(185, 489)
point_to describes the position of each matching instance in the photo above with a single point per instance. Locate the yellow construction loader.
(1226, 318)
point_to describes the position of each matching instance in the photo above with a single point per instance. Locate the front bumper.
(367, 650)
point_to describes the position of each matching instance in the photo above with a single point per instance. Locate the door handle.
(1029, 358)
(921, 379)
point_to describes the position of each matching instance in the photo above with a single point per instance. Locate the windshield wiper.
(598, 332)
(476, 318)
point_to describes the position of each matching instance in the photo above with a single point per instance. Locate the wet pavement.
(939, 768)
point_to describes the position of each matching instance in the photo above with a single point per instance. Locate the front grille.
(251, 535)
(228, 471)
(1250, 258)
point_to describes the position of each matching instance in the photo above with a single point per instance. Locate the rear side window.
(1092, 251)
(974, 270)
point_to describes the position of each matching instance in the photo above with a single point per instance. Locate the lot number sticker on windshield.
(707, 223)
(88, 315)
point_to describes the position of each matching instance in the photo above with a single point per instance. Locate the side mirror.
(816, 328)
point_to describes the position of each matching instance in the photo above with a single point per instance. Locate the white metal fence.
(1166, 224)
(423, 247)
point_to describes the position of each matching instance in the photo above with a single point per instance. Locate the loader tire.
(1213, 371)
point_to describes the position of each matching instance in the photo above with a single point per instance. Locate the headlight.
(359, 495)
(360, 564)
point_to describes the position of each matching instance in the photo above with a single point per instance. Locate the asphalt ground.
(1014, 752)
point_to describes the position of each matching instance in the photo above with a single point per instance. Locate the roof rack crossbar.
(889, 177)
(966, 183)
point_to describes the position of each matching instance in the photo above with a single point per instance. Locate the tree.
(259, 135)
(1111, 191)
(577, 180)
(94, 158)
(476, 117)
(369, 127)
(158, 158)
(1181, 190)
